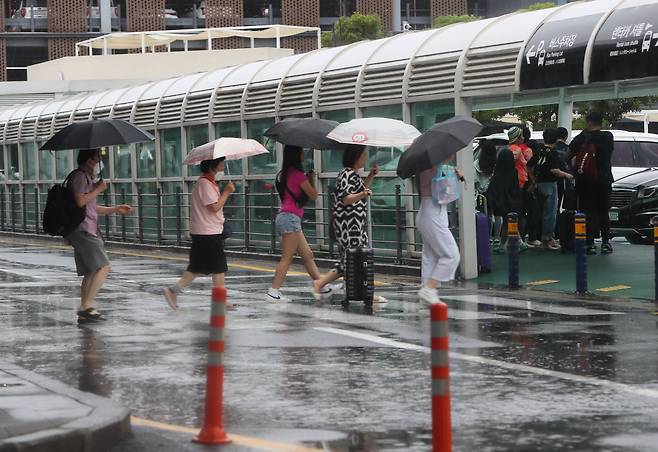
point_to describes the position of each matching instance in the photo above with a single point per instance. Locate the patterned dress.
(349, 221)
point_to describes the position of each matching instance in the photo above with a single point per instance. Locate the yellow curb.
(241, 440)
(613, 288)
(541, 283)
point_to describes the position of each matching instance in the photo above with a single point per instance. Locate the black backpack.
(62, 214)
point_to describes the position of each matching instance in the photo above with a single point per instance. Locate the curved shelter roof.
(586, 50)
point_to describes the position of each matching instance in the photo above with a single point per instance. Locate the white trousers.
(440, 251)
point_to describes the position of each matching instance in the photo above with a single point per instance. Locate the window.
(647, 154)
(196, 136)
(415, 8)
(264, 163)
(29, 169)
(63, 163)
(425, 114)
(122, 162)
(46, 163)
(331, 160)
(145, 153)
(262, 8)
(170, 153)
(623, 154)
(337, 8)
(230, 129)
(13, 171)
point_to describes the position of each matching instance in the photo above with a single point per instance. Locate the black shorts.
(207, 255)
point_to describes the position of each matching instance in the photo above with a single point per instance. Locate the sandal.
(90, 315)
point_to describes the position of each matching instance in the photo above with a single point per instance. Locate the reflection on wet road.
(527, 374)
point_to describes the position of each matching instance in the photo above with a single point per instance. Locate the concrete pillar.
(565, 112)
(105, 13)
(396, 7)
(466, 203)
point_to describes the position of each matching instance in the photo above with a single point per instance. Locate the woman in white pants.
(440, 251)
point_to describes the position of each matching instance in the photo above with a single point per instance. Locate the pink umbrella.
(229, 148)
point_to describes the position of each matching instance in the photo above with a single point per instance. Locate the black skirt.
(207, 255)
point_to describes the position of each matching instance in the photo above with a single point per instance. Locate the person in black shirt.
(594, 190)
(546, 164)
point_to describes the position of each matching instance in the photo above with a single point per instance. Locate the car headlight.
(647, 192)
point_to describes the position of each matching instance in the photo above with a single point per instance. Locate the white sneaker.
(274, 296)
(534, 243)
(427, 295)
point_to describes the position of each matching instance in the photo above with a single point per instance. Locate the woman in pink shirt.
(206, 226)
(295, 188)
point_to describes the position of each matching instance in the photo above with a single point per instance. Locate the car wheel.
(637, 239)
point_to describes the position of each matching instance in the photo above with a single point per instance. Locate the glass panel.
(124, 195)
(425, 114)
(262, 207)
(332, 160)
(2, 163)
(31, 207)
(196, 136)
(623, 154)
(647, 154)
(383, 211)
(230, 129)
(63, 163)
(170, 152)
(29, 169)
(234, 214)
(122, 162)
(147, 194)
(46, 159)
(145, 159)
(261, 8)
(265, 163)
(13, 173)
(170, 205)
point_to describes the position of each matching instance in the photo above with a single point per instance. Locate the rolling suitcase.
(482, 236)
(359, 275)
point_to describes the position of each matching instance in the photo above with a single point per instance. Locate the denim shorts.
(287, 222)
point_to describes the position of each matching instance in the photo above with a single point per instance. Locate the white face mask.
(219, 175)
(98, 168)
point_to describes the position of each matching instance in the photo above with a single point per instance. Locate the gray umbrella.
(437, 144)
(309, 133)
(95, 133)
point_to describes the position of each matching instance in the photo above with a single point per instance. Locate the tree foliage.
(357, 27)
(538, 6)
(443, 21)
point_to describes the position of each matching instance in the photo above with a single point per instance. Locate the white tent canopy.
(149, 39)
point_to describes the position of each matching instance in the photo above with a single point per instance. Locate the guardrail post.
(36, 209)
(398, 224)
(106, 197)
(179, 217)
(654, 222)
(158, 204)
(273, 228)
(3, 192)
(580, 239)
(13, 208)
(123, 217)
(140, 217)
(212, 431)
(246, 217)
(513, 250)
(330, 211)
(24, 207)
(441, 425)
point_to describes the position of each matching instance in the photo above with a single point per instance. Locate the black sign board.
(626, 46)
(554, 55)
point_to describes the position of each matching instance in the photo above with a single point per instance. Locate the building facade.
(39, 30)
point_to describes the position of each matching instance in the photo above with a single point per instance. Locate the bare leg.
(218, 279)
(432, 283)
(95, 284)
(289, 243)
(307, 257)
(84, 290)
(187, 279)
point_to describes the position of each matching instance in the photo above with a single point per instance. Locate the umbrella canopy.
(95, 133)
(381, 132)
(229, 148)
(437, 144)
(310, 133)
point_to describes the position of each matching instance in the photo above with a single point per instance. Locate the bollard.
(441, 426)
(398, 225)
(654, 222)
(513, 250)
(212, 431)
(580, 240)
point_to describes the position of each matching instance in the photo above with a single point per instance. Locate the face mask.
(219, 175)
(98, 168)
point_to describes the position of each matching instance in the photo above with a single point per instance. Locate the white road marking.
(529, 305)
(643, 392)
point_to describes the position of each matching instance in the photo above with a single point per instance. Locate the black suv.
(634, 202)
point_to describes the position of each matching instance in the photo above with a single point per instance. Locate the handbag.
(445, 185)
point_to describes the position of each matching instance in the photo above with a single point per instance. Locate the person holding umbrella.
(90, 258)
(295, 189)
(349, 207)
(207, 255)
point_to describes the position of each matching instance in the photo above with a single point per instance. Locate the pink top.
(80, 182)
(203, 221)
(522, 154)
(294, 182)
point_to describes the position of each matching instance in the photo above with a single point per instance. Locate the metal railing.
(162, 219)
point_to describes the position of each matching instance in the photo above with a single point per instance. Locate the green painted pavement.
(629, 265)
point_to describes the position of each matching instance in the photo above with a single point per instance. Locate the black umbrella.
(309, 133)
(95, 133)
(437, 144)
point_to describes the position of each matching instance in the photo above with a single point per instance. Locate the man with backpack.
(592, 169)
(547, 172)
(90, 259)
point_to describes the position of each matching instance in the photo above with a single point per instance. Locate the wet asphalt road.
(532, 374)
